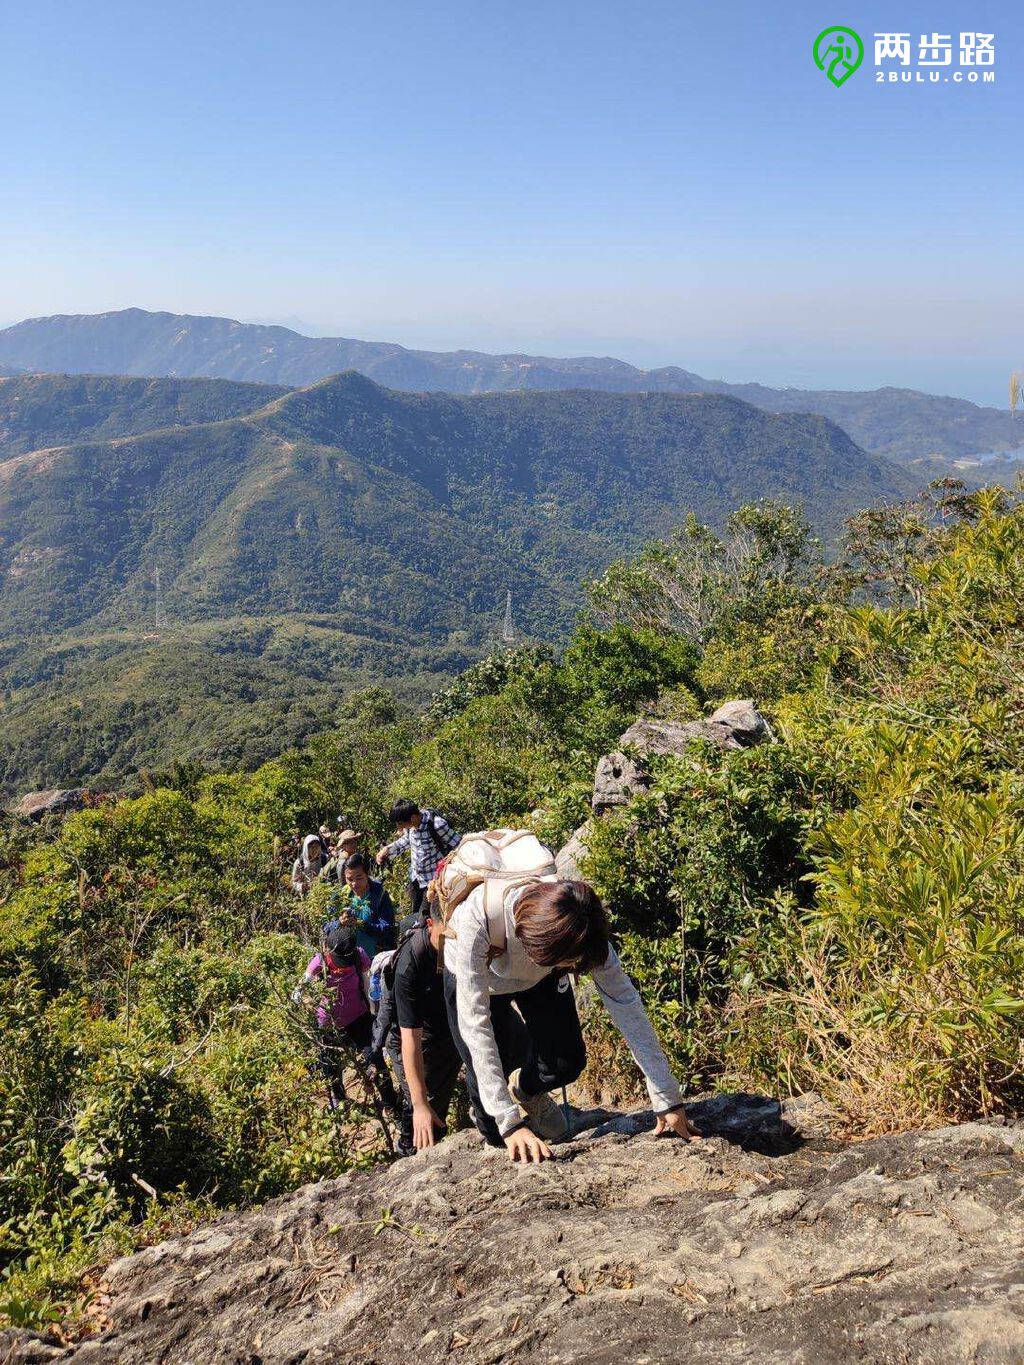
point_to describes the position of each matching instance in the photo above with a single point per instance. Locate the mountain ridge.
(401, 519)
(902, 423)
(38, 410)
(582, 472)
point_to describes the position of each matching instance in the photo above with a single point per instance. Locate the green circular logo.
(838, 52)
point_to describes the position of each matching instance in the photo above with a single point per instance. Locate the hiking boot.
(542, 1113)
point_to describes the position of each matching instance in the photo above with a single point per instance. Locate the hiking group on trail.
(322, 854)
(479, 978)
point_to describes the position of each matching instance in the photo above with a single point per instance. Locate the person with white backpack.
(514, 934)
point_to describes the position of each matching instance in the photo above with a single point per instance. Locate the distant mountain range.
(900, 423)
(312, 539)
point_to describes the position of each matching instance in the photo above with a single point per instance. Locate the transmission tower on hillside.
(158, 612)
(508, 633)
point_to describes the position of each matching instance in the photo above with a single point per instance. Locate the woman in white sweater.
(309, 866)
(521, 951)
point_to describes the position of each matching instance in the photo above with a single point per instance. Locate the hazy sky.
(668, 182)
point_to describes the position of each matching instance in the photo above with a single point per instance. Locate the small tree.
(886, 548)
(699, 584)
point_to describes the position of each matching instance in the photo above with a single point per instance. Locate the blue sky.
(668, 182)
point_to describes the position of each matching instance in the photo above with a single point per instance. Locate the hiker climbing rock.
(428, 837)
(412, 1029)
(512, 939)
(344, 1022)
(430, 1061)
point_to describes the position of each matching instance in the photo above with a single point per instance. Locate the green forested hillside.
(407, 510)
(395, 521)
(899, 423)
(837, 911)
(96, 709)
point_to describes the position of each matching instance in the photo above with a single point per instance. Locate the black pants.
(335, 1045)
(543, 1039)
(417, 898)
(441, 1067)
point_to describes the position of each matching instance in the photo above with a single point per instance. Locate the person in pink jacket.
(344, 1023)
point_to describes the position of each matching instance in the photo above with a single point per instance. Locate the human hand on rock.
(524, 1145)
(424, 1123)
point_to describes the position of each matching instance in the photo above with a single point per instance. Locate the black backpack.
(388, 974)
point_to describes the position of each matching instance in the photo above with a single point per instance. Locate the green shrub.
(141, 1124)
(902, 995)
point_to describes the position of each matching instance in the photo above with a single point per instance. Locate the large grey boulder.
(736, 725)
(621, 774)
(671, 737)
(764, 1242)
(745, 721)
(53, 801)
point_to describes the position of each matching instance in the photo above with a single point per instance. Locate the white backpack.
(498, 860)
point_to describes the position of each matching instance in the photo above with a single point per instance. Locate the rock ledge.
(767, 1242)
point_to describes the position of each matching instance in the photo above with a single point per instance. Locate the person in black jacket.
(412, 1026)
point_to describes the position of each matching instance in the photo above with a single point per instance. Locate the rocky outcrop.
(744, 722)
(616, 782)
(621, 774)
(53, 801)
(767, 1242)
(736, 725)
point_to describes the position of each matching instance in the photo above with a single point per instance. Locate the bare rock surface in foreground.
(768, 1242)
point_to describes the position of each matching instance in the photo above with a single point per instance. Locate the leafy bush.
(901, 997)
(689, 866)
(492, 674)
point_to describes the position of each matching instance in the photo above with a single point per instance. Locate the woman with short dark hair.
(522, 957)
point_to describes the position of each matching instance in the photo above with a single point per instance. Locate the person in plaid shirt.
(428, 837)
